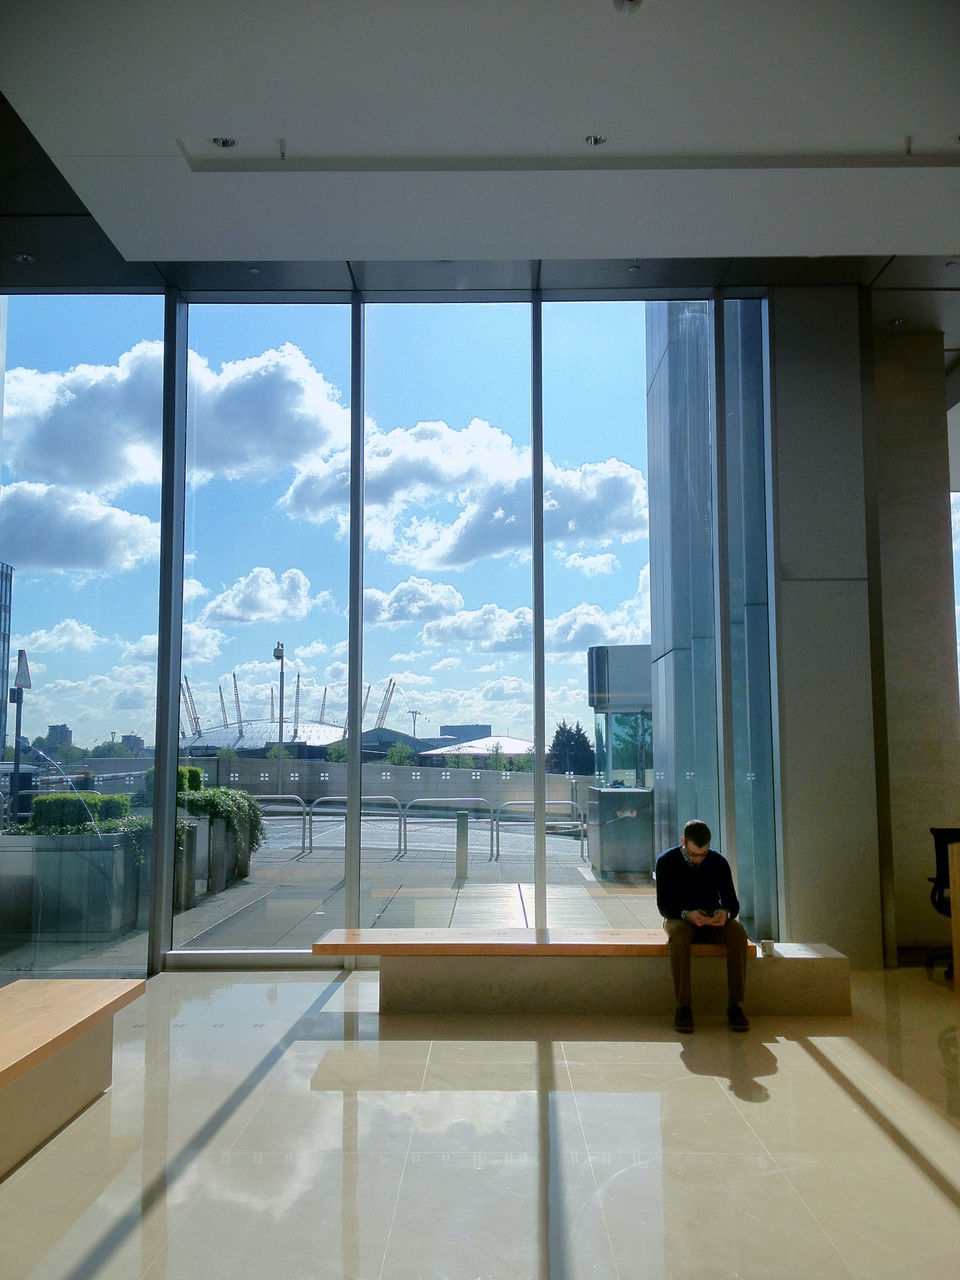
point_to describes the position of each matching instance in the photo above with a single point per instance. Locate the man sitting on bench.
(696, 897)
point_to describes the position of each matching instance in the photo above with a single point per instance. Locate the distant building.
(59, 735)
(478, 748)
(6, 598)
(133, 742)
(464, 732)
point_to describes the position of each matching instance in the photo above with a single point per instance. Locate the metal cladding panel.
(618, 677)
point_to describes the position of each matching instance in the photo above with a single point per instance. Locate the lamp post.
(278, 654)
(21, 682)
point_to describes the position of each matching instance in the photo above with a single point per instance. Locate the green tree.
(570, 751)
(226, 753)
(459, 762)
(112, 750)
(496, 759)
(66, 753)
(400, 753)
(337, 753)
(524, 764)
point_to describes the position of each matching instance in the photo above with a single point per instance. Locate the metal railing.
(295, 806)
(577, 817)
(389, 801)
(453, 803)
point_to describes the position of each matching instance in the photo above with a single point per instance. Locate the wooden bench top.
(503, 942)
(38, 1016)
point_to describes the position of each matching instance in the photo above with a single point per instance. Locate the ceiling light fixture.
(626, 6)
(595, 139)
(224, 142)
(23, 258)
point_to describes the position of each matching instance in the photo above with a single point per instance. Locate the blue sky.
(447, 571)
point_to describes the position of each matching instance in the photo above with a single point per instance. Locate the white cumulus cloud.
(415, 600)
(54, 528)
(591, 566)
(94, 426)
(254, 411)
(485, 630)
(98, 426)
(66, 635)
(441, 498)
(260, 596)
(200, 644)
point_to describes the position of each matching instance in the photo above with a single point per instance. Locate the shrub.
(68, 809)
(189, 778)
(239, 810)
(116, 806)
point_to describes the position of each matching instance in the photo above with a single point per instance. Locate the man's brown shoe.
(683, 1018)
(737, 1019)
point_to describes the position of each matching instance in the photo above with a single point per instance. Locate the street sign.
(23, 671)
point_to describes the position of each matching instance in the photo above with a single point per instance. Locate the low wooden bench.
(56, 1055)
(504, 942)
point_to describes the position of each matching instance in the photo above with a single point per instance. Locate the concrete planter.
(71, 887)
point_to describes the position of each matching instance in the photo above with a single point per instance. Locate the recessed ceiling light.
(952, 262)
(224, 142)
(595, 139)
(898, 323)
(23, 258)
(254, 271)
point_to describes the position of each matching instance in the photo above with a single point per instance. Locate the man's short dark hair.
(697, 833)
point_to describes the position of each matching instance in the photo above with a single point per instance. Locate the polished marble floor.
(274, 1127)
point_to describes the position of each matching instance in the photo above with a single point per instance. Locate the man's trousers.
(683, 935)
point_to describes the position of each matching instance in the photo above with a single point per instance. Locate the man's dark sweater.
(682, 887)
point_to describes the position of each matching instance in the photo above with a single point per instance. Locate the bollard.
(462, 820)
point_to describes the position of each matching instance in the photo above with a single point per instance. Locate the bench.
(56, 1055)
(579, 971)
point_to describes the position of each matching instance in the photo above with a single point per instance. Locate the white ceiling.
(427, 129)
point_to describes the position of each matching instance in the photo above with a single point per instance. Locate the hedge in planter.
(62, 809)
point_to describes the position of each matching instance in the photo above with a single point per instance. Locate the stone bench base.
(582, 972)
(56, 1055)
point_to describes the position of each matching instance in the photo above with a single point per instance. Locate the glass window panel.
(597, 599)
(263, 704)
(750, 702)
(79, 541)
(680, 417)
(447, 615)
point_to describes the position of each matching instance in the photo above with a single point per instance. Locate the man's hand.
(702, 918)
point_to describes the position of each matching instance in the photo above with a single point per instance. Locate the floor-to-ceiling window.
(449, 673)
(447, 613)
(264, 668)
(597, 599)
(79, 527)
